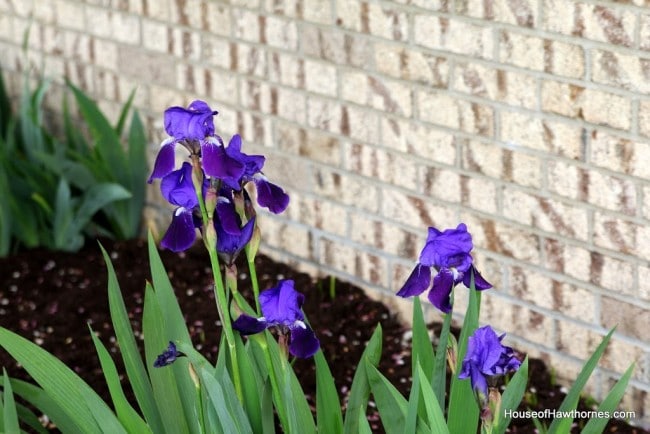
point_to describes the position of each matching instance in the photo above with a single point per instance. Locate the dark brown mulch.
(49, 297)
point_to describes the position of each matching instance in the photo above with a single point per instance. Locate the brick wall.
(527, 119)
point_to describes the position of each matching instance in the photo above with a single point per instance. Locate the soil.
(49, 297)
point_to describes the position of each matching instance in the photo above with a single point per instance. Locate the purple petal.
(181, 232)
(479, 382)
(231, 245)
(281, 304)
(442, 286)
(271, 196)
(448, 249)
(218, 164)
(227, 215)
(193, 123)
(167, 357)
(480, 283)
(178, 189)
(417, 283)
(304, 342)
(253, 163)
(247, 325)
(165, 161)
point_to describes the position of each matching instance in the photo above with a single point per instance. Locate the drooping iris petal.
(230, 245)
(252, 163)
(443, 283)
(247, 325)
(227, 216)
(218, 164)
(281, 304)
(479, 282)
(178, 189)
(271, 196)
(165, 161)
(192, 123)
(304, 342)
(168, 356)
(181, 232)
(418, 282)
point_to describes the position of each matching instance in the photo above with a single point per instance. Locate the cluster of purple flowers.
(224, 169)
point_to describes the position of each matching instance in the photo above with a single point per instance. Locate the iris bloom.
(448, 252)
(486, 357)
(193, 127)
(168, 356)
(269, 195)
(281, 308)
(177, 188)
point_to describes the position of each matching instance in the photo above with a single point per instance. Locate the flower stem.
(255, 284)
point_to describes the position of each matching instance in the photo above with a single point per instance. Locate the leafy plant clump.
(58, 190)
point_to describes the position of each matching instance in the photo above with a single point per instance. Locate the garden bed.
(49, 297)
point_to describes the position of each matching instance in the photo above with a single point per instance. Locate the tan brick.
(646, 201)
(321, 147)
(385, 166)
(281, 33)
(154, 36)
(644, 282)
(345, 189)
(620, 154)
(503, 238)
(254, 95)
(158, 10)
(410, 64)
(563, 59)
(521, 50)
(320, 214)
(389, 23)
(368, 267)
(324, 114)
(644, 117)
(595, 22)
(615, 233)
(479, 194)
(522, 14)
(551, 136)
(388, 237)
(621, 70)
(185, 44)
(348, 14)
(576, 339)
(630, 320)
(484, 157)
(110, 53)
(613, 274)
(415, 211)
(546, 214)
(506, 316)
(252, 60)
(318, 11)
(419, 140)
(288, 104)
(620, 355)
(644, 31)
(533, 287)
(445, 110)
(246, 25)
(288, 8)
(117, 26)
(320, 78)
(459, 37)
(335, 46)
(611, 192)
(360, 124)
(284, 69)
(289, 238)
(567, 180)
(495, 84)
(69, 14)
(289, 172)
(148, 67)
(217, 18)
(215, 51)
(382, 94)
(442, 184)
(190, 13)
(592, 105)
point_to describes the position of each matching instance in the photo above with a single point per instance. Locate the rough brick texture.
(527, 119)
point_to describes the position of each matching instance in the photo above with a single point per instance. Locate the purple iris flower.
(448, 252)
(281, 308)
(486, 357)
(178, 189)
(168, 356)
(231, 237)
(193, 127)
(269, 195)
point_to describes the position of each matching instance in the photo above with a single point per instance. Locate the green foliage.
(59, 190)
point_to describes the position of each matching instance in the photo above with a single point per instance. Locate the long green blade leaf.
(609, 404)
(10, 413)
(512, 397)
(328, 408)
